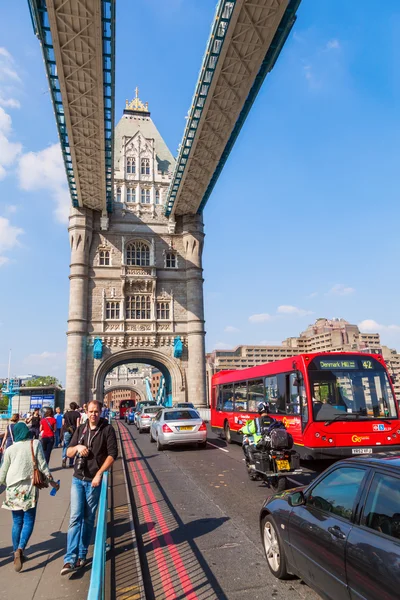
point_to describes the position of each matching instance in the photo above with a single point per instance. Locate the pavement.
(40, 578)
(196, 515)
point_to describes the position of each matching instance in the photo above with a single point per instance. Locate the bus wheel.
(227, 433)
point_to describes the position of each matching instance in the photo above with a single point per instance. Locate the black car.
(340, 534)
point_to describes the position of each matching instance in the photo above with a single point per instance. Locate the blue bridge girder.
(78, 45)
(246, 39)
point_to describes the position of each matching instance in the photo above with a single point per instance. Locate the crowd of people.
(88, 442)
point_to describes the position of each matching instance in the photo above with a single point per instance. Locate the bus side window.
(271, 393)
(227, 397)
(282, 394)
(294, 399)
(255, 394)
(241, 396)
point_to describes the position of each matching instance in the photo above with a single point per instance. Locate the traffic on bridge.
(161, 472)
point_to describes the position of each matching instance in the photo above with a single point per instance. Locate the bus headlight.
(398, 431)
(389, 438)
(330, 440)
(317, 434)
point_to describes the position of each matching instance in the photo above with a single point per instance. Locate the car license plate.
(185, 428)
(361, 451)
(283, 465)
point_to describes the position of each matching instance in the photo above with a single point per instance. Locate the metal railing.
(97, 578)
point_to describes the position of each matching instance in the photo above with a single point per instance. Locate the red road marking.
(170, 545)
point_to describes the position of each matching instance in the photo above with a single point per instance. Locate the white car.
(145, 417)
(178, 426)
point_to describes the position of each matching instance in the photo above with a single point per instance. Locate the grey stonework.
(93, 284)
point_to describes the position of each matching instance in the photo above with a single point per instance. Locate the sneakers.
(18, 558)
(67, 568)
(81, 562)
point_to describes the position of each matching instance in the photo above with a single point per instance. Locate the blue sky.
(304, 221)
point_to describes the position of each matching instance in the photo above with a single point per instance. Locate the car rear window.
(180, 415)
(151, 409)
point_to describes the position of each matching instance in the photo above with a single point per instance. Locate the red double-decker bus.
(125, 406)
(334, 404)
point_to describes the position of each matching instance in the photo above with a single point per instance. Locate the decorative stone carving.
(114, 327)
(164, 327)
(138, 327)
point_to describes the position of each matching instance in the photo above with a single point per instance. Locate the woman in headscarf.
(21, 495)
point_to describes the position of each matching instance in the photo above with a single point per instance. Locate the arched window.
(145, 166)
(104, 258)
(130, 165)
(118, 194)
(138, 307)
(163, 310)
(130, 194)
(158, 200)
(112, 310)
(138, 254)
(170, 260)
(145, 196)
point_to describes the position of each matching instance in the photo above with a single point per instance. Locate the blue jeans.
(57, 442)
(23, 523)
(67, 439)
(84, 501)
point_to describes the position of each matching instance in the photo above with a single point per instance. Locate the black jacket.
(103, 443)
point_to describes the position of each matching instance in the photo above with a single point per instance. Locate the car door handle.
(337, 532)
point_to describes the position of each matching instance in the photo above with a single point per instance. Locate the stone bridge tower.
(136, 292)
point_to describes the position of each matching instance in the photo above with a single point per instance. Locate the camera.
(81, 463)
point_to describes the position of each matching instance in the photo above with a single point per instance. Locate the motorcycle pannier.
(281, 439)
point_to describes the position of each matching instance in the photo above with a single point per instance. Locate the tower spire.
(136, 105)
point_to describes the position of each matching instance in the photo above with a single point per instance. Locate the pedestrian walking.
(71, 422)
(59, 420)
(95, 444)
(47, 433)
(21, 495)
(84, 414)
(34, 422)
(8, 438)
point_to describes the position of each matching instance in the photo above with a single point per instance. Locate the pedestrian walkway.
(40, 578)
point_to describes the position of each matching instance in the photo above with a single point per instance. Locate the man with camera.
(94, 444)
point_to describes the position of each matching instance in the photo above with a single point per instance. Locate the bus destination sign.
(338, 364)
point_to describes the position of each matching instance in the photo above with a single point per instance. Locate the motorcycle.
(272, 459)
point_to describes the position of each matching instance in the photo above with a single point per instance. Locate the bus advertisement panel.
(334, 404)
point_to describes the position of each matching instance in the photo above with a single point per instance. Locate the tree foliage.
(41, 381)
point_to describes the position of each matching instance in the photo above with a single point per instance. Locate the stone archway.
(167, 365)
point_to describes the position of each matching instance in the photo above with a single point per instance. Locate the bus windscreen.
(342, 389)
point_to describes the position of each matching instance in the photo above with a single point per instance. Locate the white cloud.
(8, 238)
(333, 44)
(44, 170)
(260, 318)
(293, 310)
(9, 102)
(8, 150)
(7, 69)
(231, 329)
(339, 289)
(371, 326)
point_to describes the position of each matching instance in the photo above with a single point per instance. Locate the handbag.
(39, 479)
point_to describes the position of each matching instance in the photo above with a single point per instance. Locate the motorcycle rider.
(254, 429)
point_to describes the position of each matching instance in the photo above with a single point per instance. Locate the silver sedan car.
(178, 426)
(145, 417)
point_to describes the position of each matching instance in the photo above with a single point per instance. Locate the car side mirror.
(296, 499)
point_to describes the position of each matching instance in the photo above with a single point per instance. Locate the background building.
(325, 335)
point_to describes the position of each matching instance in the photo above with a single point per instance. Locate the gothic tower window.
(118, 194)
(163, 311)
(158, 201)
(138, 254)
(104, 258)
(130, 194)
(138, 307)
(145, 196)
(145, 166)
(112, 310)
(130, 165)
(170, 260)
